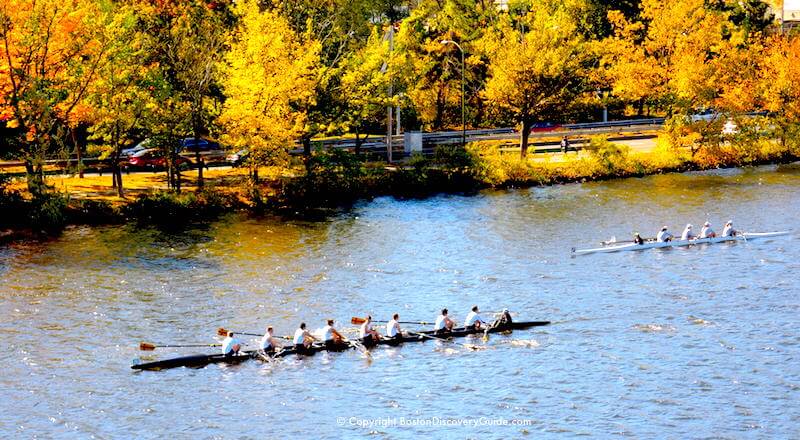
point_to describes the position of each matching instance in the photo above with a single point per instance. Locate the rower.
(728, 231)
(269, 343)
(231, 345)
(687, 233)
(393, 328)
(474, 320)
(638, 238)
(707, 232)
(369, 334)
(333, 339)
(443, 323)
(302, 339)
(664, 235)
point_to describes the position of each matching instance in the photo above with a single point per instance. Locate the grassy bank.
(337, 179)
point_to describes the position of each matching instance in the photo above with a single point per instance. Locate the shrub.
(611, 156)
(47, 212)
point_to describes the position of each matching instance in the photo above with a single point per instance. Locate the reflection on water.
(679, 343)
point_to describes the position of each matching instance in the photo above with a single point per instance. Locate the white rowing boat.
(676, 243)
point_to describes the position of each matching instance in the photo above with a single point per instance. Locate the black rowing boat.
(201, 360)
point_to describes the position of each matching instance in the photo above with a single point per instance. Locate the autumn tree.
(364, 87)
(341, 28)
(121, 94)
(538, 66)
(779, 86)
(430, 72)
(269, 77)
(50, 53)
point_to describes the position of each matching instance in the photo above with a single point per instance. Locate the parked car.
(705, 115)
(154, 158)
(237, 159)
(141, 146)
(542, 127)
(200, 144)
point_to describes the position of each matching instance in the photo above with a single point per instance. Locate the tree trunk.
(77, 151)
(199, 163)
(358, 143)
(307, 151)
(523, 138)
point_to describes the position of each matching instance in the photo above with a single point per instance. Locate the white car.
(705, 115)
(141, 146)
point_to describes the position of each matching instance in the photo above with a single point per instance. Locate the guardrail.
(377, 144)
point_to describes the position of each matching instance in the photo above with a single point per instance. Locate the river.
(679, 343)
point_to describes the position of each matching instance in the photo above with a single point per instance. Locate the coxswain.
(638, 238)
(333, 339)
(268, 342)
(687, 233)
(369, 334)
(302, 338)
(393, 328)
(443, 323)
(504, 320)
(231, 345)
(707, 232)
(664, 235)
(728, 231)
(474, 320)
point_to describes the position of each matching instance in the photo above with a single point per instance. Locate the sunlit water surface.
(680, 343)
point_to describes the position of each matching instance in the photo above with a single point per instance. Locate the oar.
(146, 346)
(358, 321)
(224, 332)
(606, 243)
(470, 346)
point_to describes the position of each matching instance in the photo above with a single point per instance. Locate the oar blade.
(144, 346)
(357, 321)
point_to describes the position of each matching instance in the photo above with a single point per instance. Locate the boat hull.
(679, 243)
(200, 360)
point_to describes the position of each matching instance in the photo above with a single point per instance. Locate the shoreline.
(318, 195)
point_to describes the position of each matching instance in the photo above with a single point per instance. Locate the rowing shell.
(677, 243)
(201, 360)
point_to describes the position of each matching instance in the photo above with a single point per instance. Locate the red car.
(154, 158)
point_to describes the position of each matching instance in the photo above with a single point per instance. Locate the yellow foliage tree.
(269, 77)
(535, 74)
(779, 85)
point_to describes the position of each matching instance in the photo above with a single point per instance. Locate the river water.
(678, 343)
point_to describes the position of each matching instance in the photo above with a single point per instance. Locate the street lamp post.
(463, 114)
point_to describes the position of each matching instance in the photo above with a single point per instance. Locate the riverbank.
(336, 179)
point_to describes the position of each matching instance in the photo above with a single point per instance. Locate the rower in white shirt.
(302, 339)
(231, 345)
(687, 233)
(728, 231)
(268, 342)
(443, 323)
(707, 232)
(664, 235)
(474, 320)
(393, 330)
(369, 334)
(334, 340)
